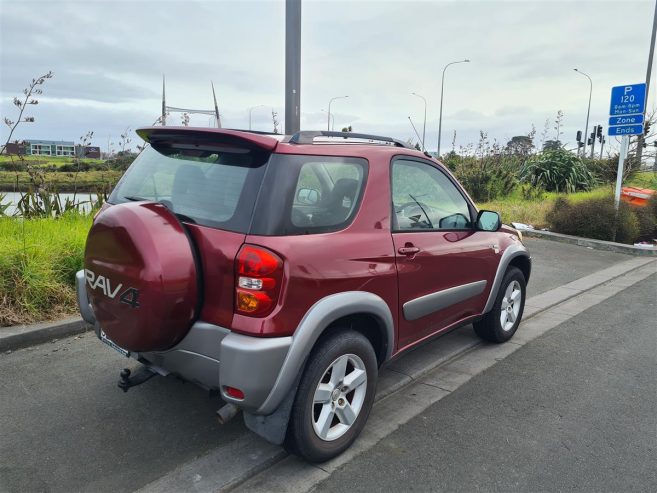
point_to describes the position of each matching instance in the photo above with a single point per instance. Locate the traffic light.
(579, 136)
(599, 131)
(646, 128)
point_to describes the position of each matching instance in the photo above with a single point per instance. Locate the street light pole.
(588, 111)
(251, 109)
(332, 120)
(424, 127)
(328, 118)
(442, 90)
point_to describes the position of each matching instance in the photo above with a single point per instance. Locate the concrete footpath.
(573, 410)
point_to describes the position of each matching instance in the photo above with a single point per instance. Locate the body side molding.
(318, 317)
(433, 302)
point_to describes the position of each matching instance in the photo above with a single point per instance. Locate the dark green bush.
(557, 170)
(595, 218)
(485, 181)
(604, 170)
(647, 218)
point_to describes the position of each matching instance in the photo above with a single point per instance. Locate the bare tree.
(34, 89)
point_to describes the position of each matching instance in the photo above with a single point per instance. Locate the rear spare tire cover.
(141, 276)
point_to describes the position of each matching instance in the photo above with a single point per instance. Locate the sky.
(108, 58)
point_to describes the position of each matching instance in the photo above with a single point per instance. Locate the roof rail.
(309, 136)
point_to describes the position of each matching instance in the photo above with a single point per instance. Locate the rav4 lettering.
(104, 284)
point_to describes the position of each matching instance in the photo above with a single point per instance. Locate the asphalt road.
(65, 426)
(574, 410)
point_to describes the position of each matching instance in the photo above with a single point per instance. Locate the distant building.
(57, 148)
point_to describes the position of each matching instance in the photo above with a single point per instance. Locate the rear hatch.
(163, 255)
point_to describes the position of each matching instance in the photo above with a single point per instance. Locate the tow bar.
(142, 374)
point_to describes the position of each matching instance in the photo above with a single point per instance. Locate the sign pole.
(625, 142)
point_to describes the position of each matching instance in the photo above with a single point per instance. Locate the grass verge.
(514, 208)
(37, 267)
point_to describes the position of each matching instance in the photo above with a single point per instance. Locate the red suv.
(284, 271)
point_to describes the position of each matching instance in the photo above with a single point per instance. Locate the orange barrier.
(636, 196)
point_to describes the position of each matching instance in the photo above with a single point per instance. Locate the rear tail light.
(259, 275)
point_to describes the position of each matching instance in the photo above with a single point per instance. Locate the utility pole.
(216, 106)
(292, 66)
(164, 105)
(651, 52)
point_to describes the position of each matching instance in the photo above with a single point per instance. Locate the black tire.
(302, 439)
(489, 327)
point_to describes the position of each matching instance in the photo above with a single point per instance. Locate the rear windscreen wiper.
(182, 217)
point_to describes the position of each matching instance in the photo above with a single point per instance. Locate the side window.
(423, 197)
(326, 194)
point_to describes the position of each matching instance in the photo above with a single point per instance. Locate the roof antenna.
(216, 108)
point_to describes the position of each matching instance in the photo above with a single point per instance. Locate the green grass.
(86, 181)
(643, 179)
(514, 208)
(37, 267)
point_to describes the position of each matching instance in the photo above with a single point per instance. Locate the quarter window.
(424, 198)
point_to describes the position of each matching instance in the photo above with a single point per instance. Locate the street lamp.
(588, 111)
(442, 88)
(251, 109)
(328, 118)
(424, 127)
(332, 120)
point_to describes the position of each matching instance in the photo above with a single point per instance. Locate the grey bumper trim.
(86, 311)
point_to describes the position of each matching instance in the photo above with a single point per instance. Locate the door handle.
(408, 250)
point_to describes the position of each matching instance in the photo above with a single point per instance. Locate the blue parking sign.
(628, 100)
(626, 130)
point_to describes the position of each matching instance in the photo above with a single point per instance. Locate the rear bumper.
(213, 357)
(83, 300)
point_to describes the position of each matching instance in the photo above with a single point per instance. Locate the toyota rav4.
(284, 271)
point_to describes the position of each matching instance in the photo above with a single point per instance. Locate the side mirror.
(488, 221)
(307, 196)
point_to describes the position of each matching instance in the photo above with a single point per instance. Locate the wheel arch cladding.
(359, 308)
(516, 255)
(523, 263)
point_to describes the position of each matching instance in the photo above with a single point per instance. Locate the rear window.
(208, 187)
(309, 194)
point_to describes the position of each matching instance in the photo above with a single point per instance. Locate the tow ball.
(141, 375)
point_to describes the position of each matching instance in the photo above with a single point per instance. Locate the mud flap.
(273, 427)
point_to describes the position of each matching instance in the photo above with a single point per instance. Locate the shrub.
(532, 193)
(647, 218)
(594, 218)
(604, 170)
(485, 181)
(557, 171)
(37, 266)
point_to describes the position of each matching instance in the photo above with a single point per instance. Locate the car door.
(444, 264)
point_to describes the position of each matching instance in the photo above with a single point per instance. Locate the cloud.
(108, 57)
